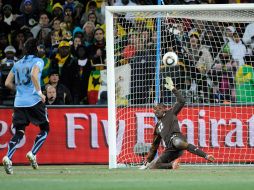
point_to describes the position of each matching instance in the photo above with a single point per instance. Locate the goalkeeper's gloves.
(144, 166)
(169, 84)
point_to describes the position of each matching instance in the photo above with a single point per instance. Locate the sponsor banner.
(79, 135)
(226, 132)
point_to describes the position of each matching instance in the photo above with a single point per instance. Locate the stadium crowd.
(71, 42)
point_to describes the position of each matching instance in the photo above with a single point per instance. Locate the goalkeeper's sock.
(40, 139)
(14, 143)
(193, 149)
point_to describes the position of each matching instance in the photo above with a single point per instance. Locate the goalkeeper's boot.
(210, 158)
(32, 159)
(7, 165)
(176, 164)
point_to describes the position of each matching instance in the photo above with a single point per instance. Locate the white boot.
(7, 163)
(32, 159)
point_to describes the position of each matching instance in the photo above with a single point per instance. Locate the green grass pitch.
(90, 177)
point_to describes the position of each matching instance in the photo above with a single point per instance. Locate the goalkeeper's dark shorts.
(170, 145)
(171, 153)
(36, 115)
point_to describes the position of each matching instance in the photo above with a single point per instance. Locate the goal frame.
(109, 11)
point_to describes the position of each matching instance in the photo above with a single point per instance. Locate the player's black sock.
(14, 142)
(40, 139)
(193, 149)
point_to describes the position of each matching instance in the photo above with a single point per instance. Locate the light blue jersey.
(26, 95)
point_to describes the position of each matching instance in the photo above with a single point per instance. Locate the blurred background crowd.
(71, 41)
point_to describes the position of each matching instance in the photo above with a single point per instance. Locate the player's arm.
(152, 151)
(180, 101)
(35, 79)
(9, 82)
(154, 148)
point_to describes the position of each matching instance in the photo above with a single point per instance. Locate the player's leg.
(19, 123)
(40, 139)
(181, 144)
(167, 160)
(12, 146)
(38, 116)
(193, 149)
(175, 164)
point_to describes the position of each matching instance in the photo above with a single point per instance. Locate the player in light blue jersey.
(29, 104)
(26, 93)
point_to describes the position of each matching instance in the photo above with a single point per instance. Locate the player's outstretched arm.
(180, 99)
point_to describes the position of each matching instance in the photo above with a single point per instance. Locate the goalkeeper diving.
(167, 128)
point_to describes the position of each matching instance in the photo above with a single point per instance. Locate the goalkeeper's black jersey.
(168, 125)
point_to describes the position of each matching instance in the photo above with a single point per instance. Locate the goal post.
(214, 45)
(111, 89)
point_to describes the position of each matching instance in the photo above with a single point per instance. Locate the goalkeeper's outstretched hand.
(169, 83)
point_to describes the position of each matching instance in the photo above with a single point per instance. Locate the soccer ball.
(170, 59)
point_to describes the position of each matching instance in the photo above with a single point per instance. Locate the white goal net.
(215, 48)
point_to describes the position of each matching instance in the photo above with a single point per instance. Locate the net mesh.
(214, 73)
